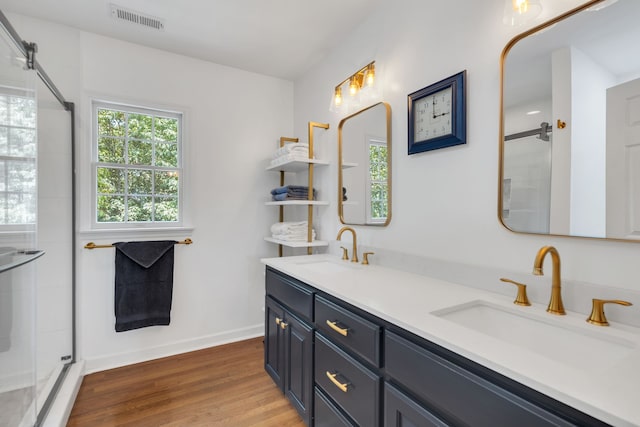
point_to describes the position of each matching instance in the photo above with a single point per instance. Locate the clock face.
(432, 115)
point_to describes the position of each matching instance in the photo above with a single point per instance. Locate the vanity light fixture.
(362, 90)
(520, 12)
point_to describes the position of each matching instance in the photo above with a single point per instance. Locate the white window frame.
(131, 108)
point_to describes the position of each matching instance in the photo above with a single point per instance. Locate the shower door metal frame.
(29, 51)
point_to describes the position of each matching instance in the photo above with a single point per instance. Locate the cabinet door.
(274, 357)
(402, 411)
(326, 414)
(299, 365)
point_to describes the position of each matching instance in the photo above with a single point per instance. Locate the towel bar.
(92, 245)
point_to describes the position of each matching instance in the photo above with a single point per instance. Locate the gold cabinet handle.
(283, 325)
(365, 257)
(344, 387)
(345, 253)
(338, 329)
(597, 316)
(278, 320)
(521, 298)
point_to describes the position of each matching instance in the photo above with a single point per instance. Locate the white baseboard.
(122, 359)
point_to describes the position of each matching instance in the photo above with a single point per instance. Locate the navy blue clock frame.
(458, 133)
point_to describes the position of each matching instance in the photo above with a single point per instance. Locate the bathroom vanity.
(371, 346)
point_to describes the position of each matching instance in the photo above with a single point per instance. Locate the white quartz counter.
(605, 387)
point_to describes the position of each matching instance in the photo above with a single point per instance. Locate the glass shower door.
(18, 231)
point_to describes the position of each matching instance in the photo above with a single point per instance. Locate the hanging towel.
(143, 284)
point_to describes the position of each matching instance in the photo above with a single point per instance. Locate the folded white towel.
(301, 237)
(289, 227)
(297, 147)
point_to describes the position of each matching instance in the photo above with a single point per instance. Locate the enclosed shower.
(36, 234)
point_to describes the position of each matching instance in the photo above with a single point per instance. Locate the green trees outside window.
(378, 181)
(138, 166)
(18, 147)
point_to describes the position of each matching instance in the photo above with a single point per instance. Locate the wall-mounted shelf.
(297, 165)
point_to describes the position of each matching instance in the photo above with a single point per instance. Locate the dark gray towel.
(143, 284)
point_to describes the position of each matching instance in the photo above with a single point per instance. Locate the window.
(137, 154)
(377, 206)
(18, 151)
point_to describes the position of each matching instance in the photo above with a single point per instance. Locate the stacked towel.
(290, 152)
(291, 231)
(292, 192)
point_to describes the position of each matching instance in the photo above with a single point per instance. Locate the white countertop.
(609, 391)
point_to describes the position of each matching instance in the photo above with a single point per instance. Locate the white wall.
(233, 121)
(589, 81)
(445, 201)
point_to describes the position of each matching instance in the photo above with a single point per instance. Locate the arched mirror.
(364, 166)
(570, 125)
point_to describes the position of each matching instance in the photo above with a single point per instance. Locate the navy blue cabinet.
(342, 366)
(288, 350)
(402, 411)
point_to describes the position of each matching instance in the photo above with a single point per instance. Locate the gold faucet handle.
(521, 298)
(597, 316)
(345, 253)
(365, 256)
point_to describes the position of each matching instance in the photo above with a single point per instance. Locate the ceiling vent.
(123, 14)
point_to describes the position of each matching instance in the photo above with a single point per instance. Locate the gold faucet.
(555, 303)
(354, 255)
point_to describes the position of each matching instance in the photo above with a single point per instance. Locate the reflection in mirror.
(570, 125)
(364, 166)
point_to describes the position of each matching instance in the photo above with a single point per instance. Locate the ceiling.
(280, 38)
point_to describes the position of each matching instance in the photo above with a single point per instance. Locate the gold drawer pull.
(337, 383)
(338, 329)
(278, 320)
(283, 325)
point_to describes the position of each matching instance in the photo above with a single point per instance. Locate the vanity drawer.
(326, 414)
(455, 394)
(400, 411)
(351, 331)
(295, 295)
(360, 397)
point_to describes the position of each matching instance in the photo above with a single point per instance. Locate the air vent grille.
(123, 14)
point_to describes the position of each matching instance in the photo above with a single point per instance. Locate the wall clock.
(437, 115)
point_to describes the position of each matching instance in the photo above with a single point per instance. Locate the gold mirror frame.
(341, 165)
(501, 130)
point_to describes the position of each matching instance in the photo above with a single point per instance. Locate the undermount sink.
(581, 347)
(328, 266)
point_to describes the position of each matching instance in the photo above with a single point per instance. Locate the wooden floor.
(220, 386)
